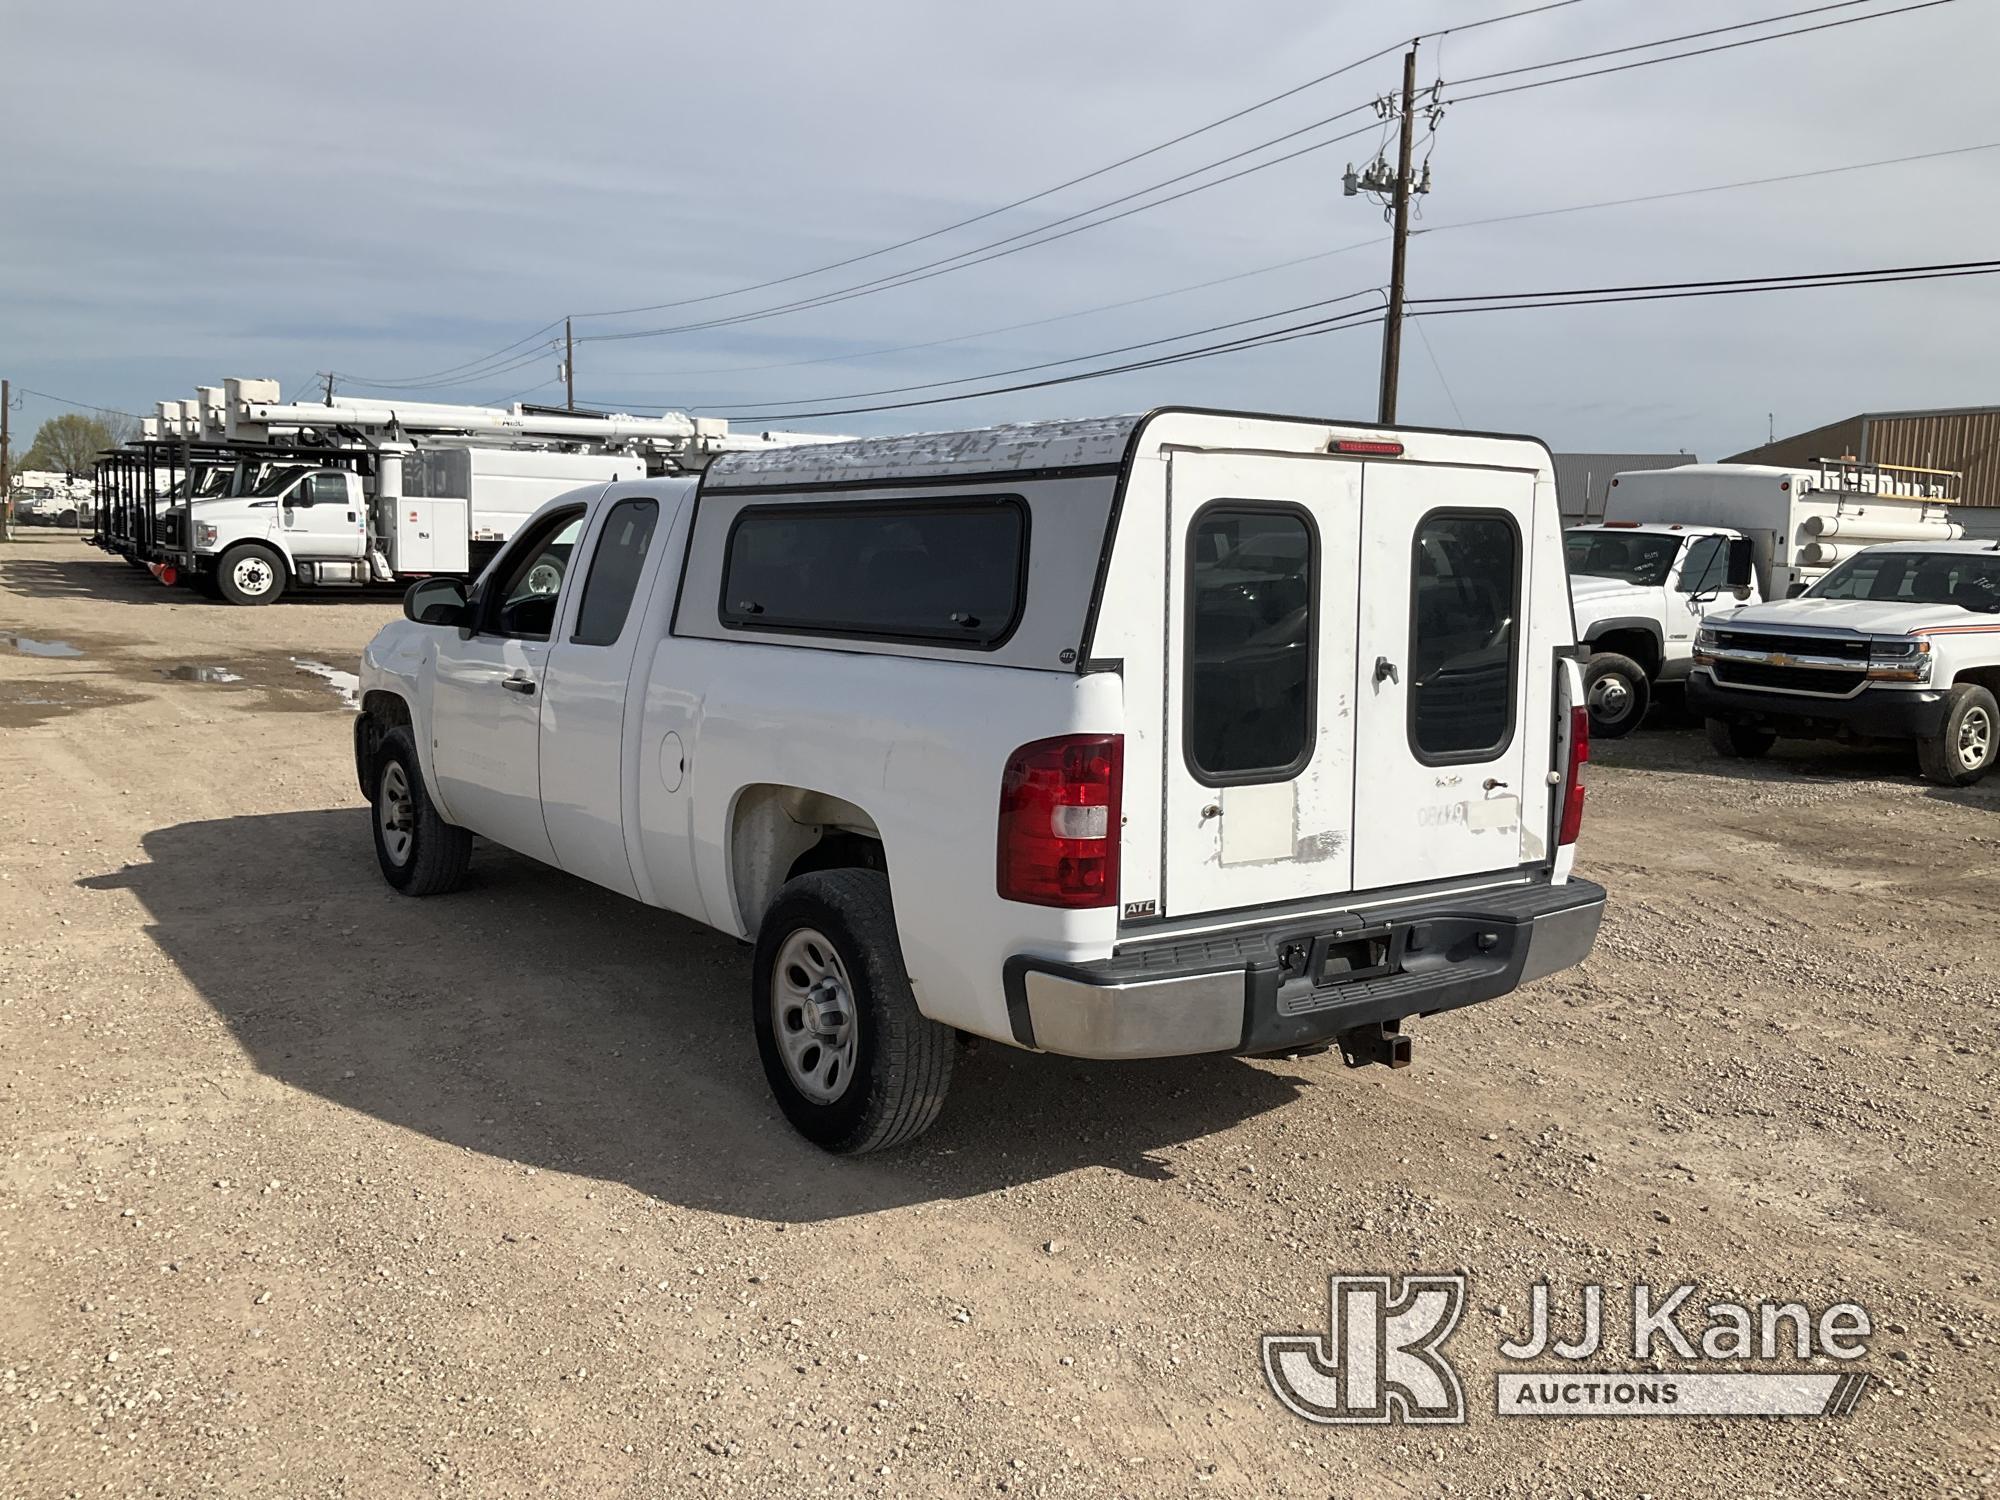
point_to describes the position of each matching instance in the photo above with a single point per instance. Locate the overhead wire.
(1360, 244)
(1447, 306)
(471, 368)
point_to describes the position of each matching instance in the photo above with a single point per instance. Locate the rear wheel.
(1617, 694)
(1964, 750)
(1739, 741)
(419, 852)
(250, 575)
(854, 1064)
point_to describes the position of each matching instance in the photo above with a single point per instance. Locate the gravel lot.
(312, 1190)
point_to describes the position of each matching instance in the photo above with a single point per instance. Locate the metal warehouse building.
(1964, 438)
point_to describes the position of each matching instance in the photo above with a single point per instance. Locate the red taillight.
(1059, 824)
(1368, 447)
(1579, 754)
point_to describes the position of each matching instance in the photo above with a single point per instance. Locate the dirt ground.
(310, 1190)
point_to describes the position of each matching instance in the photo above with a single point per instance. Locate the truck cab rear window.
(949, 574)
(1250, 642)
(1464, 635)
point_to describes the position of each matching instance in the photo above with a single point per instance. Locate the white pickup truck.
(1900, 641)
(1117, 738)
(1676, 546)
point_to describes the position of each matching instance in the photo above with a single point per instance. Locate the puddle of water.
(188, 672)
(28, 646)
(346, 684)
(26, 704)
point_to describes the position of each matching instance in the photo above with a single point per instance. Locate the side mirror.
(1741, 562)
(1797, 589)
(438, 601)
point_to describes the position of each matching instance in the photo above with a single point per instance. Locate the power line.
(966, 259)
(1445, 306)
(931, 385)
(1665, 41)
(469, 369)
(412, 382)
(1717, 187)
(1124, 161)
(1648, 62)
(1325, 254)
(960, 262)
(79, 405)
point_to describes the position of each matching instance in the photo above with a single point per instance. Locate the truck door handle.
(520, 682)
(1385, 670)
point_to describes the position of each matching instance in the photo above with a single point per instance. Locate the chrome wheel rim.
(1975, 738)
(395, 814)
(812, 1012)
(252, 575)
(1611, 699)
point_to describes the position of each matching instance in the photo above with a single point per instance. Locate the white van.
(1131, 737)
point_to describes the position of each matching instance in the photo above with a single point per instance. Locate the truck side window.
(1464, 640)
(528, 580)
(1250, 643)
(1706, 568)
(614, 571)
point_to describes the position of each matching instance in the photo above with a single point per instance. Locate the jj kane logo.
(1382, 1357)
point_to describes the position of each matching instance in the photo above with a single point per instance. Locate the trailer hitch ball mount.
(1383, 1043)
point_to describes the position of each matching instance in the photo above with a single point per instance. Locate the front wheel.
(1739, 741)
(1617, 694)
(1964, 749)
(250, 575)
(854, 1064)
(419, 852)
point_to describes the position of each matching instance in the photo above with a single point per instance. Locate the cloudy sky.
(397, 189)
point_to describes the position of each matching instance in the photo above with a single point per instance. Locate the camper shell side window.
(944, 572)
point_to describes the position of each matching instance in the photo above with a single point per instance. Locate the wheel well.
(261, 545)
(380, 712)
(778, 832)
(1986, 677)
(1637, 644)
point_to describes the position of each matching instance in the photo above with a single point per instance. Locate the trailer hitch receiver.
(1383, 1043)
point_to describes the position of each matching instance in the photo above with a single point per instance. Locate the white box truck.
(1677, 545)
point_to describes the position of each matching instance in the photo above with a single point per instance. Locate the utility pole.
(569, 362)
(1392, 326)
(329, 387)
(6, 463)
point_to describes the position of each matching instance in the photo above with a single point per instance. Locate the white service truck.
(1898, 641)
(387, 516)
(1116, 738)
(1678, 545)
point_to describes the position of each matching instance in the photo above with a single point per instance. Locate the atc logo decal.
(1380, 1361)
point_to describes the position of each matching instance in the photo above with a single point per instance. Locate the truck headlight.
(1899, 660)
(1705, 639)
(204, 534)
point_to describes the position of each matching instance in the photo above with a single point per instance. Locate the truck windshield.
(1644, 558)
(276, 480)
(1969, 580)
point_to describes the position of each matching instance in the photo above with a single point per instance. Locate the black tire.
(238, 569)
(1739, 741)
(436, 855)
(1616, 692)
(1964, 751)
(901, 1060)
